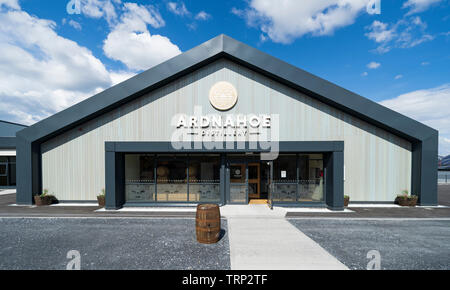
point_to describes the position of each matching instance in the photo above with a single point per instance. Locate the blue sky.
(52, 58)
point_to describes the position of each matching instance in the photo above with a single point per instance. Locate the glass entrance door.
(254, 180)
(238, 182)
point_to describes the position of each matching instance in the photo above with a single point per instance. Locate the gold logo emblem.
(223, 96)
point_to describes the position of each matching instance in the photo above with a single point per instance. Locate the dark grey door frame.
(115, 165)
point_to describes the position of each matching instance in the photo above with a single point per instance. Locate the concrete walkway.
(7, 191)
(267, 240)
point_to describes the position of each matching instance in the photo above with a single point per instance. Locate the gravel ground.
(402, 244)
(108, 244)
(444, 194)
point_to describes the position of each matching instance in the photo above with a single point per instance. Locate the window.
(169, 178)
(204, 178)
(311, 177)
(7, 171)
(139, 178)
(298, 178)
(285, 169)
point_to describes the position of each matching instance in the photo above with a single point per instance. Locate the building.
(444, 163)
(206, 126)
(8, 153)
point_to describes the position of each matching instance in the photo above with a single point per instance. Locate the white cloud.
(202, 15)
(424, 63)
(430, 106)
(406, 33)
(42, 72)
(380, 33)
(397, 77)
(364, 74)
(75, 24)
(131, 43)
(178, 8)
(416, 6)
(100, 9)
(373, 65)
(120, 76)
(13, 4)
(237, 12)
(285, 20)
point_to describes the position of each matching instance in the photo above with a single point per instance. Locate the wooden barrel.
(207, 223)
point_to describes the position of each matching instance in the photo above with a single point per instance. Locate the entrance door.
(249, 181)
(238, 183)
(254, 180)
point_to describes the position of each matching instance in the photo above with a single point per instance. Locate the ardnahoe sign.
(222, 96)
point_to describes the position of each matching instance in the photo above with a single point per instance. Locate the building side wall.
(377, 163)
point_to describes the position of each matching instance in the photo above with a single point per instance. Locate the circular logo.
(223, 96)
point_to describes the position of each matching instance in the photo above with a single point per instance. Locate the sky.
(54, 54)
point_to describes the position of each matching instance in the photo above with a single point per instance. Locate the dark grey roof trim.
(224, 46)
(12, 123)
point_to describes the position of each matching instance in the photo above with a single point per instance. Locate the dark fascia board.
(283, 146)
(7, 142)
(224, 46)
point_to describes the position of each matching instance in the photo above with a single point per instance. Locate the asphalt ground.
(402, 244)
(108, 243)
(7, 210)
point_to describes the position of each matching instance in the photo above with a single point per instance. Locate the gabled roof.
(9, 129)
(218, 47)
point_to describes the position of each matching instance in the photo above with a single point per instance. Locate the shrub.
(102, 193)
(404, 199)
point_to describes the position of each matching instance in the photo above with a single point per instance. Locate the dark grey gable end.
(423, 138)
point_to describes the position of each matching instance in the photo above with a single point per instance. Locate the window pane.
(204, 169)
(204, 178)
(285, 169)
(253, 171)
(311, 177)
(3, 181)
(284, 192)
(139, 178)
(238, 193)
(3, 169)
(204, 192)
(140, 192)
(171, 178)
(237, 173)
(12, 174)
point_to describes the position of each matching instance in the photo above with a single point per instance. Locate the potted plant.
(101, 198)
(346, 200)
(405, 199)
(44, 199)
